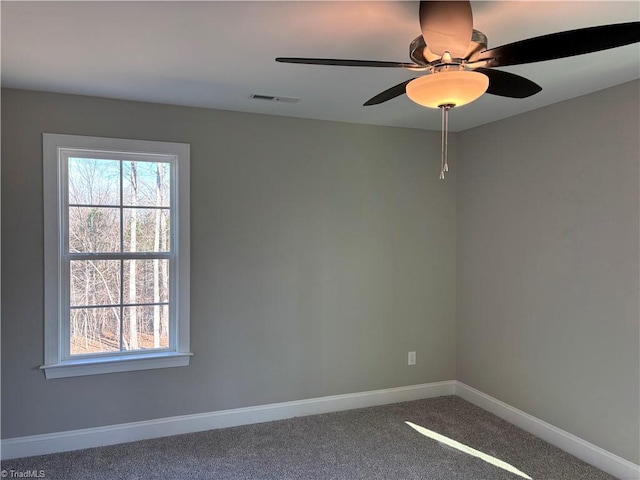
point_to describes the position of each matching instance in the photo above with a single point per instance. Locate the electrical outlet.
(412, 358)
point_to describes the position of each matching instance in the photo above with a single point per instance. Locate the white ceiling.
(216, 54)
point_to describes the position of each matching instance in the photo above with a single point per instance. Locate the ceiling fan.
(458, 67)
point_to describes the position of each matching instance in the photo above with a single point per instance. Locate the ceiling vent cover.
(273, 98)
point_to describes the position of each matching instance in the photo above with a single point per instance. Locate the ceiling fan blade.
(346, 63)
(446, 26)
(388, 94)
(505, 84)
(563, 44)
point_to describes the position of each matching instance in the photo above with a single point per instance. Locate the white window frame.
(57, 361)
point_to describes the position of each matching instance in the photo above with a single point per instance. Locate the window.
(116, 255)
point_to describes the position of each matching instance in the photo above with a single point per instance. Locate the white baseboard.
(596, 456)
(130, 432)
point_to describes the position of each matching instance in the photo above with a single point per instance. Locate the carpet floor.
(367, 443)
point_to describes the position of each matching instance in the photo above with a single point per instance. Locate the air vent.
(273, 98)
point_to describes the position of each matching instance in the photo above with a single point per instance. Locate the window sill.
(122, 363)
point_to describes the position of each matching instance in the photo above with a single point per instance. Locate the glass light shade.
(447, 88)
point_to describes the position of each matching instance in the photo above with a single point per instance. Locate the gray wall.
(548, 265)
(321, 254)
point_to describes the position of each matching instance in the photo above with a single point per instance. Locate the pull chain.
(444, 163)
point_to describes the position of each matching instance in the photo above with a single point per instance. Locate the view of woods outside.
(118, 207)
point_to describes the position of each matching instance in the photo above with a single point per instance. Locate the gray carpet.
(368, 443)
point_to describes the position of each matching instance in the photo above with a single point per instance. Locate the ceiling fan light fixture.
(447, 88)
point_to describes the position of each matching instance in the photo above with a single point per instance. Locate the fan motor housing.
(420, 53)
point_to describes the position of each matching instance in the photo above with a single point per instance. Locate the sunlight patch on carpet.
(471, 451)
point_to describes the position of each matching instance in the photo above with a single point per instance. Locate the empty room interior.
(408, 248)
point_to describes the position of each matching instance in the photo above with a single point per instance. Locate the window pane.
(94, 181)
(146, 183)
(94, 229)
(94, 330)
(145, 327)
(146, 230)
(150, 281)
(95, 282)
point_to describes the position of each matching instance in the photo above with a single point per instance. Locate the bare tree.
(93, 192)
(133, 320)
(160, 193)
(164, 242)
